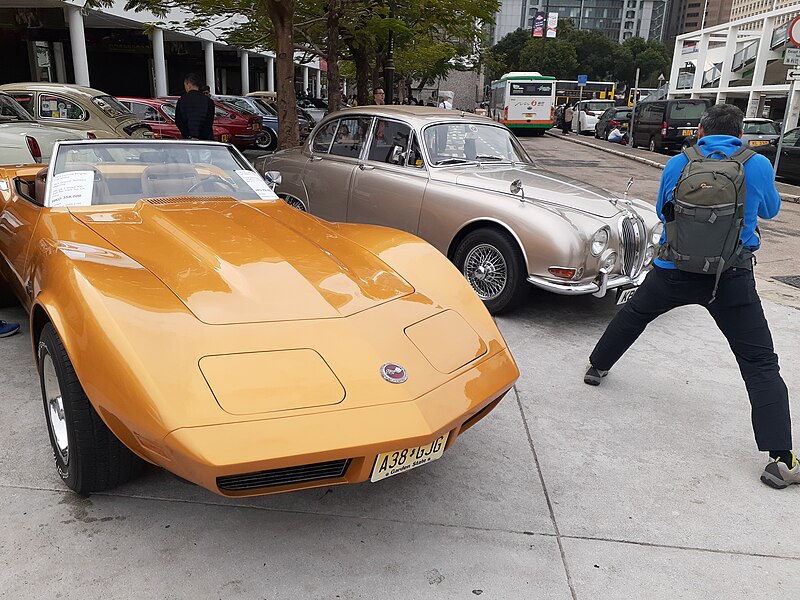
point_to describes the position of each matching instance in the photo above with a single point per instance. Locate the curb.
(645, 161)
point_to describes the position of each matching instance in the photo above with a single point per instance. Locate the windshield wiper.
(489, 157)
(450, 161)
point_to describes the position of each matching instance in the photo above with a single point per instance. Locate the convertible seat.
(100, 192)
(168, 180)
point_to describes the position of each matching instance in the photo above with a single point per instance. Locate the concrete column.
(727, 62)
(58, 58)
(701, 64)
(793, 109)
(676, 65)
(159, 62)
(318, 91)
(722, 98)
(208, 50)
(223, 80)
(270, 74)
(77, 40)
(305, 78)
(245, 62)
(760, 68)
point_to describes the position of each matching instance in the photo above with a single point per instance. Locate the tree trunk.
(334, 83)
(282, 14)
(361, 59)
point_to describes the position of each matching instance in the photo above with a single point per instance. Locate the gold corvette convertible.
(181, 315)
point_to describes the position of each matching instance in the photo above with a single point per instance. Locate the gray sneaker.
(594, 376)
(776, 474)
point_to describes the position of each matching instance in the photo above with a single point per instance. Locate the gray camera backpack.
(705, 220)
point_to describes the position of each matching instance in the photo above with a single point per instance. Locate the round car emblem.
(393, 373)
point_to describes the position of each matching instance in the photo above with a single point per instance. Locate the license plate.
(687, 131)
(624, 295)
(400, 461)
(759, 142)
(224, 137)
(528, 115)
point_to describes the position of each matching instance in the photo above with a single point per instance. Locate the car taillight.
(90, 136)
(33, 146)
(614, 123)
(664, 128)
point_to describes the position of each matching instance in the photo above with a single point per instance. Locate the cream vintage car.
(464, 184)
(88, 111)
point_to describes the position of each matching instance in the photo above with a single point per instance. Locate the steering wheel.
(210, 179)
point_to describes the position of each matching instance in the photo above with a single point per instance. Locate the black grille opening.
(285, 476)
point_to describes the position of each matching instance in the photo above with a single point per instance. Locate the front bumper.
(598, 287)
(203, 454)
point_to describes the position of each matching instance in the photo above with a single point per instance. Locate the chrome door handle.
(366, 167)
(315, 158)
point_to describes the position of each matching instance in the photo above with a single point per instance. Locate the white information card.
(257, 184)
(73, 188)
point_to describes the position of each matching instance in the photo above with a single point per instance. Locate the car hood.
(539, 185)
(45, 136)
(234, 262)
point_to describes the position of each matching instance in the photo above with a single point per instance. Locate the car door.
(789, 165)
(389, 184)
(18, 219)
(335, 153)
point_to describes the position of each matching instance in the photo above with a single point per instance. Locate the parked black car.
(618, 116)
(789, 165)
(666, 124)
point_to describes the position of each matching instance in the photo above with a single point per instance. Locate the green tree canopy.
(556, 58)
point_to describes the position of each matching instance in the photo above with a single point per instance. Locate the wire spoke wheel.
(486, 270)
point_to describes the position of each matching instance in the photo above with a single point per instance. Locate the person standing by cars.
(566, 124)
(379, 96)
(194, 111)
(701, 202)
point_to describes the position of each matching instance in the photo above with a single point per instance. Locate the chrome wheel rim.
(54, 408)
(486, 270)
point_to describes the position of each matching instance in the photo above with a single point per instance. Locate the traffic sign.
(792, 56)
(793, 75)
(794, 31)
(582, 79)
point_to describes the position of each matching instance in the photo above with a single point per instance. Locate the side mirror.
(397, 156)
(273, 179)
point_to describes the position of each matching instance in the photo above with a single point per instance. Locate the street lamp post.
(388, 71)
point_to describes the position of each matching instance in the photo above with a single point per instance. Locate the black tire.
(268, 140)
(652, 146)
(515, 287)
(95, 459)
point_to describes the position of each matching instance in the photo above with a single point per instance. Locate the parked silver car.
(24, 141)
(464, 184)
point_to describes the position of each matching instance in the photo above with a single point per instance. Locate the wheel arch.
(38, 319)
(485, 223)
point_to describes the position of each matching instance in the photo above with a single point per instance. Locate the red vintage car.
(160, 115)
(244, 129)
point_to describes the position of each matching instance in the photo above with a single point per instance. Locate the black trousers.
(738, 313)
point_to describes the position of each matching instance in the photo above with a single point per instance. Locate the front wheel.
(267, 141)
(652, 146)
(494, 266)
(88, 457)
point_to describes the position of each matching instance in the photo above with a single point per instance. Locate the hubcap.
(54, 408)
(485, 269)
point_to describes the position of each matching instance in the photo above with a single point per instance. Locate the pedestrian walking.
(566, 124)
(194, 111)
(710, 199)
(379, 96)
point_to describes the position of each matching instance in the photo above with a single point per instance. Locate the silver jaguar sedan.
(464, 184)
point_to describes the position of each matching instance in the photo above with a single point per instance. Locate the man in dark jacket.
(194, 111)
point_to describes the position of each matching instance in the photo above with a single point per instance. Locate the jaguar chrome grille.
(633, 240)
(285, 476)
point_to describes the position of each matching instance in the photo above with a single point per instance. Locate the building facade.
(742, 9)
(684, 16)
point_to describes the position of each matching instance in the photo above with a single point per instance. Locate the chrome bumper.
(602, 283)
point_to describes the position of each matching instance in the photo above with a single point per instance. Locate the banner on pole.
(539, 24)
(552, 24)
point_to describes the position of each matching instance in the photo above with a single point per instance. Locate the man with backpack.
(710, 199)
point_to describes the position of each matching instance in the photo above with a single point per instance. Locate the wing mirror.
(273, 179)
(397, 156)
(517, 188)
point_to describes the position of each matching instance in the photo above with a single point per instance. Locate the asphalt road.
(646, 487)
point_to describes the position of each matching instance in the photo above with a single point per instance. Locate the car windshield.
(458, 143)
(687, 111)
(10, 110)
(598, 106)
(169, 110)
(87, 173)
(760, 128)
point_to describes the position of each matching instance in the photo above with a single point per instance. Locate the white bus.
(524, 101)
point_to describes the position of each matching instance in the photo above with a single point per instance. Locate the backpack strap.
(742, 155)
(692, 153)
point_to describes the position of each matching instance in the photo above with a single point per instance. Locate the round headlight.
(609, 262)
(599, 241)
(657, 231)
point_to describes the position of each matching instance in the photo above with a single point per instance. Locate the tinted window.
(531, 89)
(387, 135)
(24, 100)
(598, 105)
(792, 138)
(687, 111)
(622, 113)
(324, 137)
(762, 128)
(350, 136)
(56, 107)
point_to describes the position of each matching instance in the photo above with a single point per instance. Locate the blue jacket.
(762, 199)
